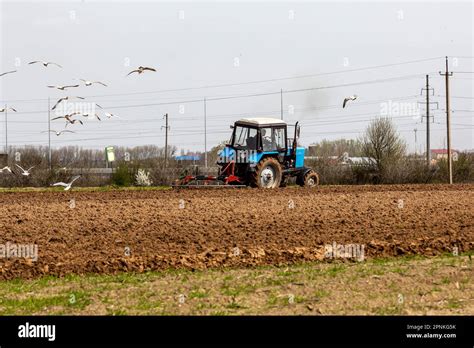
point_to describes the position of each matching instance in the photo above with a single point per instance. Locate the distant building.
(439, 154)
(345, 160)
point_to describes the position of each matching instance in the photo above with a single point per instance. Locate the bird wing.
(80, 98)
(53, 86)
(147, 68)
(59, 101)
(345, 101)
(60, 184)
(36, 61)
(100, 107)
(83, 80)
(100, 83)
(71, 86)
(74, 179)
(8, 72)
(20, 167)
(57, 118)
(97, 117)
(131, 72)
(66, 131)
(54, 64)
(30, 168)
(13, 109)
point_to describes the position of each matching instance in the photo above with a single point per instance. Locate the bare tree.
(382, 142)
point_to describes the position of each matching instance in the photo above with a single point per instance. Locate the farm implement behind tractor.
(259, 154)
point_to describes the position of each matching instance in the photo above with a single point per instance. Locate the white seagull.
(63, 99)
(352, 97)
(8, 72)
(90, 116)
(68, 118)
(68, 185)
(45, 64)
(4, 109)
(73, 122)
(90, 83)
(60, 132)
(63, 88)
(141, 69)
(25, 172)
(109, 115)
(7, 168)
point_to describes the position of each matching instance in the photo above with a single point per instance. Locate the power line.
(399, 78)
(260, 81)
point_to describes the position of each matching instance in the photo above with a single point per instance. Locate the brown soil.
(108, 232)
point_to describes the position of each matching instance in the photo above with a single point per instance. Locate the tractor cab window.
(245, 138)
(273, 139)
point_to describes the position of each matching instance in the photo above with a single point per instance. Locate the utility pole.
(205, 134)
(428, 90)
(6, 130)
(416, 142)
(49, 133)
(447, 74)
(428, 150)
(281, 103)
(166, 139)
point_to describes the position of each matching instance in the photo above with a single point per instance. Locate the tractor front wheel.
(267, 173)
(310, 179)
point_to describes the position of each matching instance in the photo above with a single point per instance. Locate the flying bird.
(352, 97)
(63, 99)
(8, 72)
(4, 109)
(90, 83)
(59, 133)
(140, 70)
(90, 116)
(68, 118)
(25, 172)
(7, 168)
(63, 88)
(45, 64)
(73, 122)
(109, 115)
(67, 186)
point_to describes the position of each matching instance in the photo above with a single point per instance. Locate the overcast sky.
(232, 46)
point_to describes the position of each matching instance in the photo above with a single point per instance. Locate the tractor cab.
(259, 134)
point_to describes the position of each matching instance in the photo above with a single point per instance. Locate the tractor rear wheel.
(310, 179)
(267, 173)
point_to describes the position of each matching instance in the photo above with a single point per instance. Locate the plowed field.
(107, 232)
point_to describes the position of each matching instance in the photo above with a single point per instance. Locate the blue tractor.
(259, 154)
